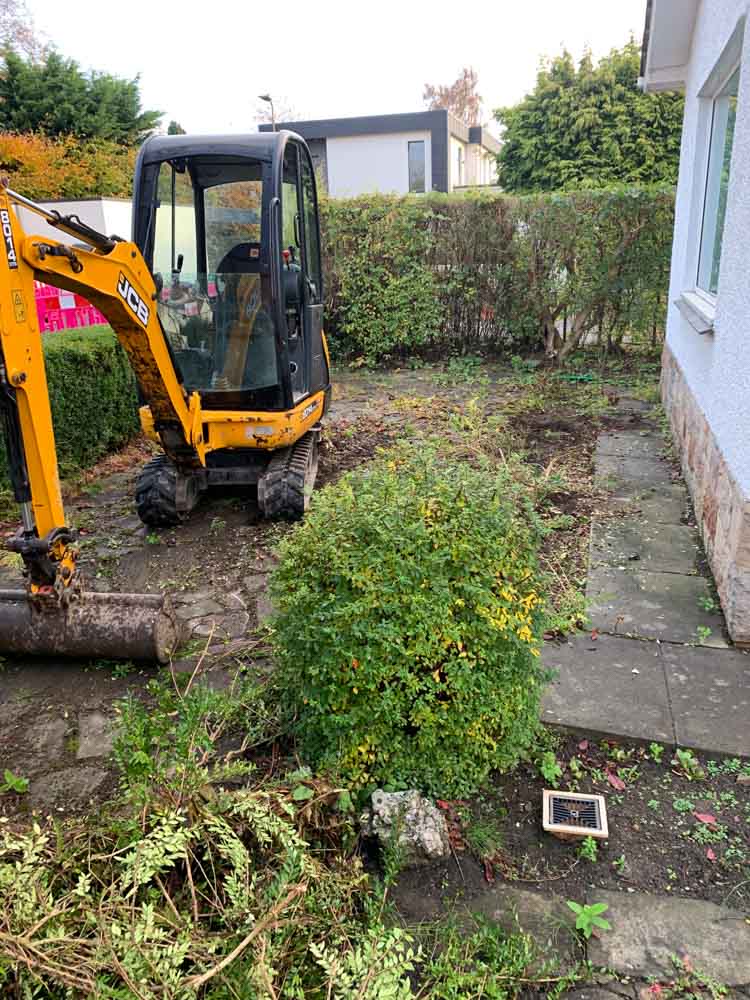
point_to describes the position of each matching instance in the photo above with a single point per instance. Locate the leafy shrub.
(407, 626)
(93, 396)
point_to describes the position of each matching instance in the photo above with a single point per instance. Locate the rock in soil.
(414, 823)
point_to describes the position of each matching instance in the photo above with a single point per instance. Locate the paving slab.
(626, 405)
(634, 477)
(636, 544)
(264, 608)
(631, 444)
(709, 691)
(652, 508)
(543, 916)
(662, 606)
(648, 930)
(67, 787)
(609, 685)
(95, 735)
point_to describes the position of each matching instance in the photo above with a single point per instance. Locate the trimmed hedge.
(93, 395)
(476, 271)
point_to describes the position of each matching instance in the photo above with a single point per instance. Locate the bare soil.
(669, 834)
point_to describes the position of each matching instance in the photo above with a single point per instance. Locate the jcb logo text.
(133, 299)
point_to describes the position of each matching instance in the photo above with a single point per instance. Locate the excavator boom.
(54, 615)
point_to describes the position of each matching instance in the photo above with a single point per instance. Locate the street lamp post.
(268, 99)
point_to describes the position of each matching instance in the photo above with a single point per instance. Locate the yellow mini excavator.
(217, 302)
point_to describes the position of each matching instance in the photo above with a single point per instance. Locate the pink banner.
(60, 310)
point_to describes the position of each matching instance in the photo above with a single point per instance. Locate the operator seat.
(246, 352)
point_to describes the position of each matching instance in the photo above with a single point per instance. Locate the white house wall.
(358, 164)
(706, 375)
(716, 366)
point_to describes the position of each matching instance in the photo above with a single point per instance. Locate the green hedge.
(494, 272)
(93, 394)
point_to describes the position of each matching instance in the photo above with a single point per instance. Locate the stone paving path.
(656, 664)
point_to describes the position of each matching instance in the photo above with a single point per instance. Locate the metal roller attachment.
(113, 626)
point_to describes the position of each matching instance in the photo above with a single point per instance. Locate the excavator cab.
(229, 229)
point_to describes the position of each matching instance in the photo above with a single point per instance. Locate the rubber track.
(155, 493)
(281, 491)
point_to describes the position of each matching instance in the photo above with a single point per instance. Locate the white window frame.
(697, 305)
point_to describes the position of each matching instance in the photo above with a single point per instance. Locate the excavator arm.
(113, 275)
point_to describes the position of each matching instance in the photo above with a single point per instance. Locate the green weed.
(589, 917)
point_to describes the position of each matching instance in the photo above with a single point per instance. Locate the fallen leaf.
(705, 818)
(615, 781)
(710, 855)
(594, 633)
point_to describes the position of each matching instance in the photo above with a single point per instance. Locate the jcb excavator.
(217, 302)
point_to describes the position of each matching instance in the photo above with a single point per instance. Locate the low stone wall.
(723, 512)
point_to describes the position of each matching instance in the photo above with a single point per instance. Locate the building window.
(416, 167)
(717, 184)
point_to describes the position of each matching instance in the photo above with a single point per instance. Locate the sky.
(204, 64)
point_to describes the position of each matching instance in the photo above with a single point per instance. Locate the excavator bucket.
(117, 626)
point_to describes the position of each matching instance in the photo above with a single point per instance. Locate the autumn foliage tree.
(45, 169)
(460, 97)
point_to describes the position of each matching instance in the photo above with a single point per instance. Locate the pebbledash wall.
(706, 363)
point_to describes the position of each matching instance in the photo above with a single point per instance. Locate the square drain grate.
(572, 814)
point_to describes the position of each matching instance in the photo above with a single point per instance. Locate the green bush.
(407, 626)
(93, 395)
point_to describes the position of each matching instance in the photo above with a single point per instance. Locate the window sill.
(699, 311)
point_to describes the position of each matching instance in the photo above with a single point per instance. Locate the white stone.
(413, 821)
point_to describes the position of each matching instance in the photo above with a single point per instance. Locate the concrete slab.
(66, 788)
(627, 405)
(544, 917)
(609, 685)
(634, 477)
(637, 544)
(709, 691)
(264, 608)
(95, 735)
(630, 444)
(662, 606)
(670, 508)
(648, 930)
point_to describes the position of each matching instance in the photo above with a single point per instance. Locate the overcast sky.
(205, 63)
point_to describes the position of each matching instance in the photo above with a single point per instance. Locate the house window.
(717, 184)
(416, 167)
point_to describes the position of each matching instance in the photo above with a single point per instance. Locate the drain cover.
(571, 814)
